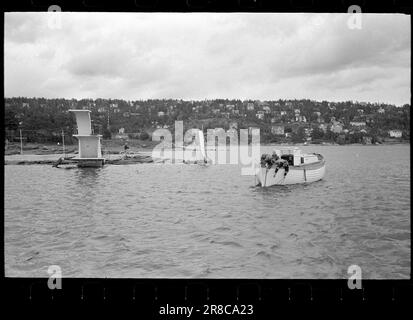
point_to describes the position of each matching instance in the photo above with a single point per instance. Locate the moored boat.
(290, 166)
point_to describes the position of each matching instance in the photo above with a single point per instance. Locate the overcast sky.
(196, 56)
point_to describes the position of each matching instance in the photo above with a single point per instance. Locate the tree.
(317, 133)
(107, 134)
(144, 136)
(299, 135)
(329, 135)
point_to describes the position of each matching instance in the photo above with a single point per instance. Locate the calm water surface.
(152, 220)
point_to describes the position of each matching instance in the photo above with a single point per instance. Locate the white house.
(260, 115)
(395, 133)
(336, 127)
(357, 123)
(277, 130)
(266, 109)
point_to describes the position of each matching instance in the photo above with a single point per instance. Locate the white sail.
(201, 145)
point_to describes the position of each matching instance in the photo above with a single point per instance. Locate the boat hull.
(300, 174)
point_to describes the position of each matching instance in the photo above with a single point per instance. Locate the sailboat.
(200, 156)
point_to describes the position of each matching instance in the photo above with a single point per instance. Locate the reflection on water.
(150, 220)
(87, 177)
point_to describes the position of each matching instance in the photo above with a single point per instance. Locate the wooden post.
(21, 142)
(63, 142)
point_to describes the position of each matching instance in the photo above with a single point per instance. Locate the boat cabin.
(295, 157)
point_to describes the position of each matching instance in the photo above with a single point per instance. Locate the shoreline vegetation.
(40, 120)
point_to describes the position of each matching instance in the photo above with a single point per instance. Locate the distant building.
(260, 115)
(358, 123)
(283, 113)
(25, 105)
(115, 107)
(236, 111)
(322, 126)
(395, 133)
(381, 110)
(266, 109)
(161, 114)
(121, 130)
(250, 106)
(230, 107)
(299, 118)
(126, 114)
(366, 140)
(336, 127)
(216, 111)
(277, 130)
(101, 109)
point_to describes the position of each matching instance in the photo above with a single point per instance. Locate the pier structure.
(90, 152)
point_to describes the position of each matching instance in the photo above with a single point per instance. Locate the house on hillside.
(357, 123)
(277, 129)
(395, 133)
(336, 127)
(266, 109)
(260, 114)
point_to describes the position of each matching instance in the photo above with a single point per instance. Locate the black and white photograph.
(207, 145)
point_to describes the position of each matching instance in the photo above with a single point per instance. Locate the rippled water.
(151, 220)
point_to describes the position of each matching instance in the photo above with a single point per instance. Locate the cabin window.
(302, 159)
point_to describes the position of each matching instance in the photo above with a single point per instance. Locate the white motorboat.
(290, 166)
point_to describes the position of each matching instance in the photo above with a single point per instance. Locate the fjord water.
(154, 220)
